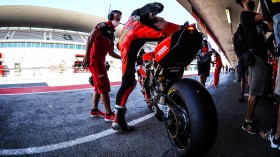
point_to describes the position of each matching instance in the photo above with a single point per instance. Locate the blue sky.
(172, 12)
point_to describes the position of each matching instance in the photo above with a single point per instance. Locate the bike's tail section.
(180, 48)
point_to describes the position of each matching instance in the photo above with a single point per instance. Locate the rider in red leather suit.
(142, 26)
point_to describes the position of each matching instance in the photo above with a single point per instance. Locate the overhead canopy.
(45, 17)
(211, 14)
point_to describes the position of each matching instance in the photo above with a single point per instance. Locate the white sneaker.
(274, 143)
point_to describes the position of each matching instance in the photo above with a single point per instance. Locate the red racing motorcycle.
(184, 105)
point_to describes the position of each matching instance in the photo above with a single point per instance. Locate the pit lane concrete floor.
(58, 124)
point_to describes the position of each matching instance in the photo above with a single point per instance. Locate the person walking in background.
(219, 64)
(204, 61)
(271, 11)
(226, 69)
(101, 42)
(255, 31)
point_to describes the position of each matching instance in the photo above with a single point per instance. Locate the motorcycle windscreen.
(179, 49)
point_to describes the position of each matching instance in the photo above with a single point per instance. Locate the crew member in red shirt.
(219, 64)
(101, 42)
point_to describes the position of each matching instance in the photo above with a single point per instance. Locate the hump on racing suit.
(144, 13)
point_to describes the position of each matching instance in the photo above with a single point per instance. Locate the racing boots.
(119, 123)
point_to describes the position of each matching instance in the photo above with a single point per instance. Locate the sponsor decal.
(101, 25)
(174, 69)
(125, 32)
(171, 91)
(162, 50)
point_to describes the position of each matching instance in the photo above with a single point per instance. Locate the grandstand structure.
(41, 40)
(38, 41)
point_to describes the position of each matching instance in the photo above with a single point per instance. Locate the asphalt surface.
(58, 124)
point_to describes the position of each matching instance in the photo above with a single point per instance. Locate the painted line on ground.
(62, 145)
(70, 90)
(47, 89)
(36, 90)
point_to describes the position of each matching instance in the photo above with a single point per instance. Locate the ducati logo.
(162, 50)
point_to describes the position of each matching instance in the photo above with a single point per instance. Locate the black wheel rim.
(178, 122)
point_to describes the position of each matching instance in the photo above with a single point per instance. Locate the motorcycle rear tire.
(199, 135)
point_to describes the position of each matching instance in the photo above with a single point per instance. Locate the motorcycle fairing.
(179, 49)
(162, 49)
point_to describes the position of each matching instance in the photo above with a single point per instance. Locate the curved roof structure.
(45, 17)
(212, 16)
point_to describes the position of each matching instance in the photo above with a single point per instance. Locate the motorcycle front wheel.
(192, 121)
